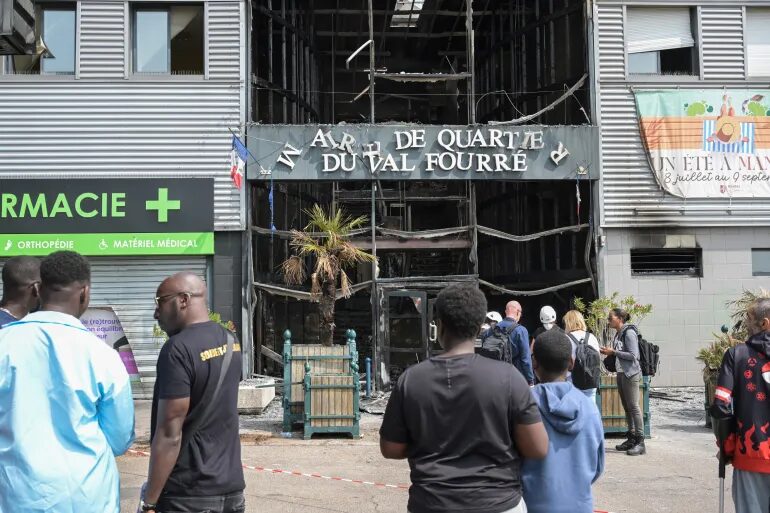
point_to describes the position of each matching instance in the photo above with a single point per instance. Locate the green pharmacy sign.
(108, 244)
(163, 205)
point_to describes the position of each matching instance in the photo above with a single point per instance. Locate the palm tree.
(326, 239)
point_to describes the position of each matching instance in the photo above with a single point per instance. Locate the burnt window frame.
(696, 272)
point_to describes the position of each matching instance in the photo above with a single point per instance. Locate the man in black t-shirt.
(195, 462)
(463, 421)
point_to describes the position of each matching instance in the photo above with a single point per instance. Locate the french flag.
(238, 157)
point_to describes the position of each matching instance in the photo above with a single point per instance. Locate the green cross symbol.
(162, 205)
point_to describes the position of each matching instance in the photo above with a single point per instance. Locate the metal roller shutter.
(128, 285)
(650, 29)
(758, 41)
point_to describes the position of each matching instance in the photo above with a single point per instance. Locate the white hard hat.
(494, 316)
(547, 317)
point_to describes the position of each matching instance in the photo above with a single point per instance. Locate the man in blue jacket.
(519, 341)
(66, 408)
(561, 483)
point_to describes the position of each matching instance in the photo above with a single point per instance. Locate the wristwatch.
(146, 506)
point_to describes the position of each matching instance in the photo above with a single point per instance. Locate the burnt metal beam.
(385, 12)
(526, 28)
(415, 35)
(406, 245)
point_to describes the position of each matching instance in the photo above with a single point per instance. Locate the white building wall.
(686, 311)
(636, 212)
(104, 122)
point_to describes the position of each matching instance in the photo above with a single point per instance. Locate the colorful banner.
(104, 323)
(708, 144)
(108, 244)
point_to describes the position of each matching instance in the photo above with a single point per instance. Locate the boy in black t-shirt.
(196, 449)
(463, 421)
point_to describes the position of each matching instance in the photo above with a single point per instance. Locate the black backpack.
(587, 369)
(496, 345)
(649, 357)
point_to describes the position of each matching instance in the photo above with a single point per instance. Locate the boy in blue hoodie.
(561, 483)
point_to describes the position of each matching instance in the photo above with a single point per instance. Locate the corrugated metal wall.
(105, 123)
(631, 196)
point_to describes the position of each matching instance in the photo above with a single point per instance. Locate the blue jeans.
(232, 503)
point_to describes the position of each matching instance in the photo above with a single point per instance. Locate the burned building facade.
(462, 130)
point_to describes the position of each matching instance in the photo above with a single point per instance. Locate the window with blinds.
(660, 41)
(757, 34)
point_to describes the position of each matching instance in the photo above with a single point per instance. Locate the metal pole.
(375, 298)
(471, 60)
(368, 377)
(371, 68)
(284, 82)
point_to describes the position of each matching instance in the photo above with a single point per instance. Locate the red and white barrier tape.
(304, 474)
(297, 473)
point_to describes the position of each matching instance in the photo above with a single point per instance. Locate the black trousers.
(232, 503)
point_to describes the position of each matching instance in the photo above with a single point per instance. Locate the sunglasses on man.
(162, 299)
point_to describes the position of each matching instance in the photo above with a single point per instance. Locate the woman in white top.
(575, 325)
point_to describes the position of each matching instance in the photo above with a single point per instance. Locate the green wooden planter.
(613, 415)
(331, 400)
(336, 359)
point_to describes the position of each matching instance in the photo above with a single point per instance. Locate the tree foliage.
(596, 313)
(326, 242)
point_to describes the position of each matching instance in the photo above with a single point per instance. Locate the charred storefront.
(463, 132)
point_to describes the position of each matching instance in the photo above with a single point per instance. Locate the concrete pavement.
(677, 475)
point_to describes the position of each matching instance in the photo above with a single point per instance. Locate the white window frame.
(698, 47)
(128, 50)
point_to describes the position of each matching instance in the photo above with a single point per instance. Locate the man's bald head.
(513, 310)
(180, 302)
(184, 282)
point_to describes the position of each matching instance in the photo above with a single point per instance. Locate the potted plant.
(596, 312)
(711, 355)
(326, 240)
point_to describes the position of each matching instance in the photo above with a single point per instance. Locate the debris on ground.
(376, 404)
(674, 405)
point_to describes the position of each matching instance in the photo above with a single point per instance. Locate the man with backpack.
(516, 351)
